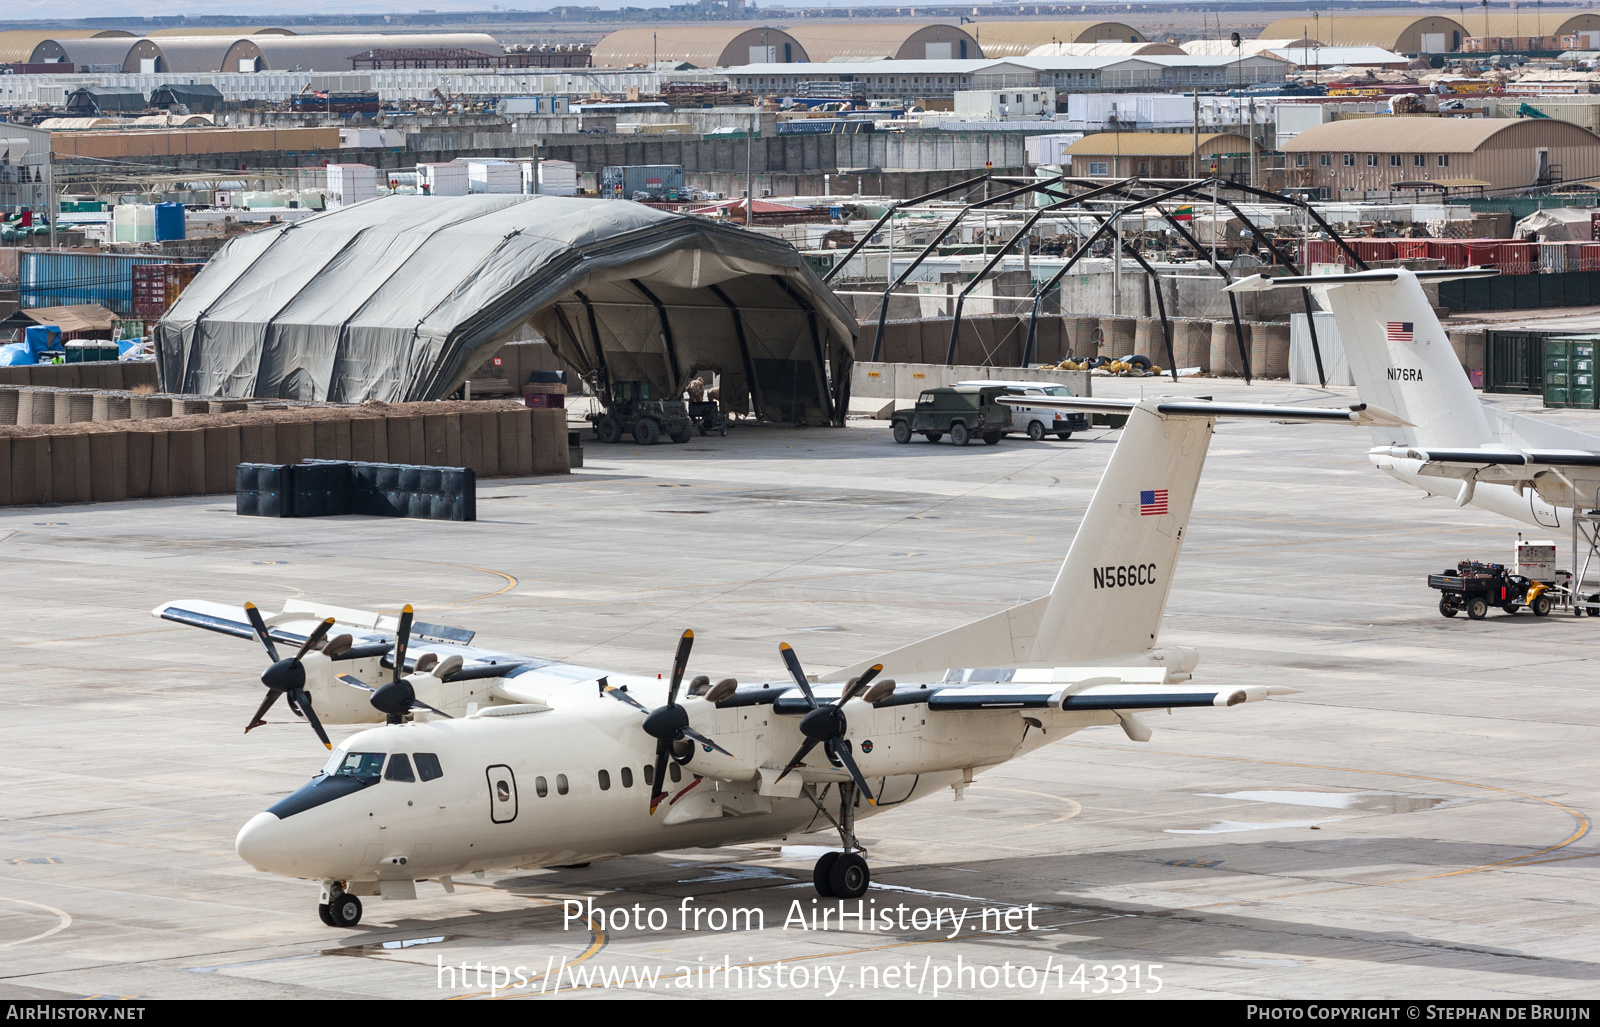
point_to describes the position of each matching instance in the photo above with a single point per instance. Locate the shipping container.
(1513, 362)
(50, 279)
(1589, 256)
(500, 176)
(443, 179)
(656, 180)
(169, 221)
(1372, 250)
(1519, 258)
(1322, 251)
(1483, 252)
(1569, 371)
(156, 287)
(351, 183)
(1452, 252)
(555, 178)
(1410, 249)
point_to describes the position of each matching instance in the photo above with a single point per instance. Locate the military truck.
(629, 408)
(959, 411)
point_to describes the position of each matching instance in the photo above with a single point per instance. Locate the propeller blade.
(839, 749)
(402, 637)
(347, 679)
(315, 637)
(798, 757)
(266, 704)
(690, 732)
(304, 700)
(260, 625)
(618, 694)
(792, 661)
(430, 709)
(858, 685)
(680, 663)
(658, 788)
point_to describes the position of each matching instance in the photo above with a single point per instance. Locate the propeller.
(286, 677)
(826, 723)
(399, 697)
(667, 724)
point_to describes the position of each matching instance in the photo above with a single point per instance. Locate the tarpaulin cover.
(399, 298)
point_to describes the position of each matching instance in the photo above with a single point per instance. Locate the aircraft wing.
(372, 634)
(1359, 414)
(1497, 464)
(1101, 688)
(1264, 283)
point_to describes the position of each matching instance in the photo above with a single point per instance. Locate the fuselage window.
(649, 775)
(541, 786)
(561, 784)
(627, 777)
(428, 766)
(675, 772)
(605, 781)
(365, 766)
(399, 768)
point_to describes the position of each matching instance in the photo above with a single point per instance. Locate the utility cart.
(1474, 587)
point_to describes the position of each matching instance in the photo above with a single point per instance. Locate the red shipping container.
(1481, 252)
(1589, 256)
(1519, 258)
(1452, 252)
(1410, 249)
(1372, 250)
(1321, 251)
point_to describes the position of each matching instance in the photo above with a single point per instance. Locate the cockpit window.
(428, 766)
(399, 768)
(363, 766)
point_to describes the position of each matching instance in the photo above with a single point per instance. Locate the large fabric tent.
(399, 298)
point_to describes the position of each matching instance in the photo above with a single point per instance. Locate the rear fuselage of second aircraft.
(1494, 497)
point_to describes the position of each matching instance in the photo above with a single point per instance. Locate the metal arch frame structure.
(1204, 189)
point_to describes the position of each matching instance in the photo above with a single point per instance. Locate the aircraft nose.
(260, 841)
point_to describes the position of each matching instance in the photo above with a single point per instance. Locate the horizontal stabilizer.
(1360, 414)
(1263, 283)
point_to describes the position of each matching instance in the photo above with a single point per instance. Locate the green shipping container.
(1569, 371)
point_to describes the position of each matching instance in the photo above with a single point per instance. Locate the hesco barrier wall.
(90, 461)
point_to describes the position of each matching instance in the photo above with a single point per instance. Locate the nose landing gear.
(338, 908)
(841, 875)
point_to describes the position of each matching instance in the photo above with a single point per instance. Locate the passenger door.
(502, 794)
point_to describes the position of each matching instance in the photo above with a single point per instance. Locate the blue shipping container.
(169, 221)
(50, 279)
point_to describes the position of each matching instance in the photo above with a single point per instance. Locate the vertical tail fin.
(1402, 361)
(1113, 586)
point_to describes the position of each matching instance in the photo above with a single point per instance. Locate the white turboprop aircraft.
(1454, 445)
(493, 761)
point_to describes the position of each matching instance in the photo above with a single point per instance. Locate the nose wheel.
(339, 908)
(841, 875)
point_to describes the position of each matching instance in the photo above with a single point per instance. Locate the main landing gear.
(338, 908)
(841, 875)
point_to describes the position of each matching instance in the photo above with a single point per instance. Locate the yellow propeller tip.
(407, 609)
(249, 606)
(784, 645)
(328, 747)
(688, 633)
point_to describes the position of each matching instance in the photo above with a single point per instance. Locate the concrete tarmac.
(1417, 822)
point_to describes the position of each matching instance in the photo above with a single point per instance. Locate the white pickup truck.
(1040, 421)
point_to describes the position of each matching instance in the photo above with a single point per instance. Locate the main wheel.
(1478, 608)
(959, 434)
(934, 436)
(1063, 435)
(1510, 608)
(684, 434)
(608, 429)
(1541, 606)
(1036, 430)
(990, 438)
(821, 874)
(345, 911)
(646, 431)
(1446, 607)
(902, 432)
(848, 877)
(327, 917)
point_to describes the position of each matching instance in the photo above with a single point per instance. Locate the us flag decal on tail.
(1153, 503)
(1398, 331)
